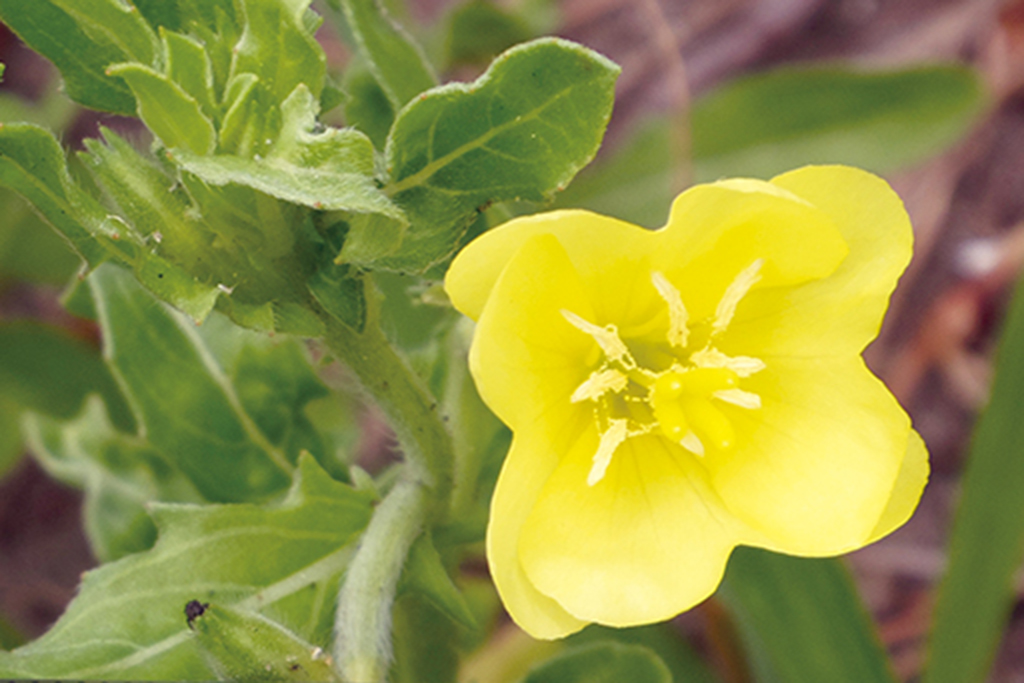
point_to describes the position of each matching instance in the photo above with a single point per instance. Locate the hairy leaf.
(188, 65)
(119, 472)
(32, 164)
(367, 106)
(322, 168)
(170, 112)
(46, 370)
(397, 63)
(189, 410)
(277, 45)
(241, 645)
(82, 38)
(480, 29)
(521, 131)
(128, 620)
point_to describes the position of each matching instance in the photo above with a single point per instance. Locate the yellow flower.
(679, 392)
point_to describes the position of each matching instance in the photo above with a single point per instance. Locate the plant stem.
(363, 622)
(408, 405)
(363, 625)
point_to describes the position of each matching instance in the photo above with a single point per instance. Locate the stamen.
(611, 439)
(692, 443)
(598, 384)
(744, 366)
(738, 397)
(607, 338)
(736, 290)
(677, 315)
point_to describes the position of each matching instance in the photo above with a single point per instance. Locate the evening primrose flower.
(676, 393)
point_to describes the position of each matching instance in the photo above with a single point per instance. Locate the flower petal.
(530, 461)
(594, 243)
(814, 467)
(907, 492)
(716, 231)
(526, 358)
(645, 543)
(874, 224)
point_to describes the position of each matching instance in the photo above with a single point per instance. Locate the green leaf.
(189, 410)
(425, 575)
(242, 645)
(252, 120)
(605, 662)
(665, 640)
(764, 124)
(45, 369)
(370, 238)
(218, 26)
(120, 473)
(149, 200)
(521, 131)
(397, 63)
(10, 637)
(29, 249)
(329, 190)
(278, 47)
(32, 164)
(274, 380)
(188, 65)
(987, 543)
(806, 616)
(322, 168)
(367, 106)
(635, 182)
(172, 114)
(128, 620)
(424, 642)
(10, 444)
(341, 293)
(82, 38)
(479, 30)
(161, 14)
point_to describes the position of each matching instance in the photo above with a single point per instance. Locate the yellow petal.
(529, 463)
(717, 231)
(841, 314)
(526, 358)
(594, 243)
(814, 467)
(646, 542)
(907, 492)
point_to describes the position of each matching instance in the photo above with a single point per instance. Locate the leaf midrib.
(425, 173)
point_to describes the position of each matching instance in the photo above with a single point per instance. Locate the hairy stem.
(408, 405)
(363, 624)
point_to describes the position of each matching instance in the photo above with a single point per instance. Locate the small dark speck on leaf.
(193, 610)
(160, 275)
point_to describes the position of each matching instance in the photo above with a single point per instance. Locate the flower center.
(681, 401)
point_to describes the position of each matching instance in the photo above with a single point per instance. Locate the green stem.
(363, 624)
(408, 405)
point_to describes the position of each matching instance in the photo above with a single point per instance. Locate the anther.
(606, 337)
(598, 384)
(611, 439)
(736, 290)
(677, 315)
